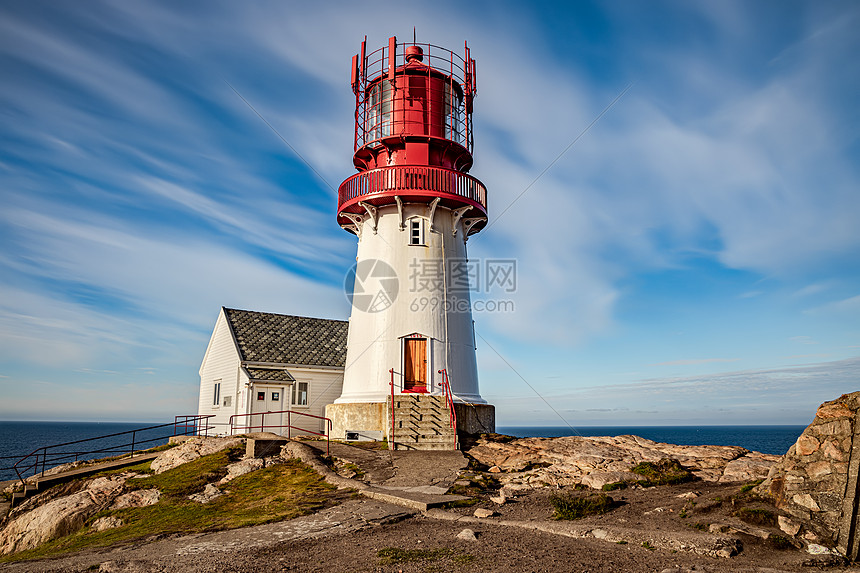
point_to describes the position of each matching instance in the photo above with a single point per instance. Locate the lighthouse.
(411, 374)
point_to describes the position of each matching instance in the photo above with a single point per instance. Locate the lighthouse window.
(216, 397)
(416, 231)
(453, 129)
(378, 112)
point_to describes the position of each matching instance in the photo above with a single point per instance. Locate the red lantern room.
(413, 132)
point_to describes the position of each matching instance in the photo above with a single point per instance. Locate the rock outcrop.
(58, 517)
(595, 461)
(816, 482)
(190, 450)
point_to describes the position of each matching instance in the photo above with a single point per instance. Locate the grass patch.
(141, 468)
(462, 503)
(614, 486)
(394, 555)
(780, 542)
(478, 484)
(647, 545)
(276, 493)
(700, 526)
(665, 472)
(575, 506)
(748, 486)
(755, 516)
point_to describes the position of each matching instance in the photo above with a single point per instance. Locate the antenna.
(413, 35)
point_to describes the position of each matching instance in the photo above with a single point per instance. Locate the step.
(423, 439)
(425, 447)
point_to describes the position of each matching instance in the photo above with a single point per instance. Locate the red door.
(415, 365)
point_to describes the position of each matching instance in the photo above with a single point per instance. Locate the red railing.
(262, 426)
(373, 107)
(391, 439)
(449, 397)
(432, 181)
(128, 442)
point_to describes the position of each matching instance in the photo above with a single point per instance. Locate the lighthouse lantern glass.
(453, 103)
(379, 111)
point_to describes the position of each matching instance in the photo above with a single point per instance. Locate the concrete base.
(366, 418)
(264, 444)
(369, 418)
(475, 418)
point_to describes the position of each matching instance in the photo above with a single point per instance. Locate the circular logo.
(371, 285)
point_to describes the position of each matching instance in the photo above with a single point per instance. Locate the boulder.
(137, 498)
(467, 535)
(106, 522)
(816, 482)
(58, 517)
(241, 468)
(209, 493)
(596, 461)
(191, 450)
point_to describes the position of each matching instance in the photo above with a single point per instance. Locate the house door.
(415, 365)
(268, 399)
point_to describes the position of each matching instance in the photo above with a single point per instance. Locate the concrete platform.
(413, 479)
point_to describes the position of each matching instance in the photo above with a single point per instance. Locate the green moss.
(647, 545)
(665, 472)
(394, 555)
(748, 486)
(614, 485)
(575, 506)
(780, 542)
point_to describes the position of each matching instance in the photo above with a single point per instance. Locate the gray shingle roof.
(285, 339)
(269, 374)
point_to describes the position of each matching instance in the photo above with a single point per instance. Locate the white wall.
(324, 387)
(220, 363)
(375, 338)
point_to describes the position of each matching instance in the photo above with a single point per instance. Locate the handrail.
(42, 456)
(405, 178)
(449, 397)
(288, 425)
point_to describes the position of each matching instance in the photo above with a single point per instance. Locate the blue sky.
(693, 259)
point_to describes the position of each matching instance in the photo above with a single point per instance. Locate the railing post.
(133, 436)
(391, 438)
(289, 425)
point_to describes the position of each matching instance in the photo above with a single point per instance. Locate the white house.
(263, 362)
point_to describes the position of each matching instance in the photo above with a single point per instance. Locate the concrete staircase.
(422, 422)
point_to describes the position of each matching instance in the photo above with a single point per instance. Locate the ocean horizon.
(767, 439)
(18, 439)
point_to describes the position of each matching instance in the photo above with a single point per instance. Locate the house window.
(216, 397)
(261, 395)
(416, 231)
(300, 394)
(276, 396)
(228, 401)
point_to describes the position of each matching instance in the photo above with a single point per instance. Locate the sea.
(764, 439)
(18, 439)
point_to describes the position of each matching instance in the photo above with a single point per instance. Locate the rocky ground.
(701, 525)
(365, 535)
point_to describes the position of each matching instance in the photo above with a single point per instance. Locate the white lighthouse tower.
(411, 373)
